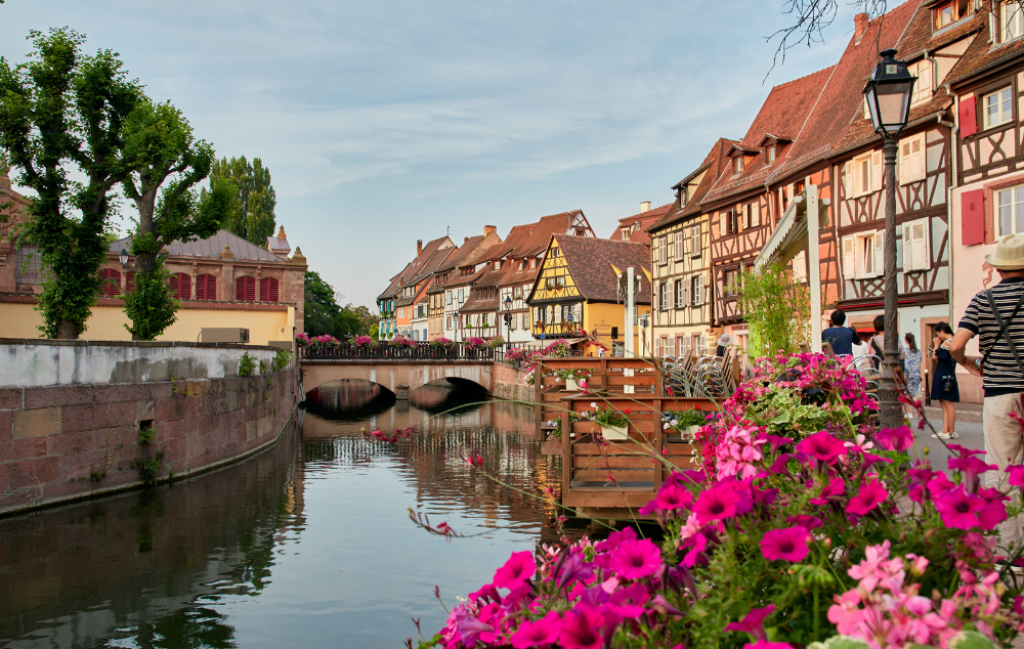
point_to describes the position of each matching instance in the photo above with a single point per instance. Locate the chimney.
(860, 22)
(465, 240)
(489, 229)
(419, 247)
(645, 206)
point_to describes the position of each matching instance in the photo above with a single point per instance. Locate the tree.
(776, 308)
(253, 218)
(324, 316)
(61, 112)
(160, 147)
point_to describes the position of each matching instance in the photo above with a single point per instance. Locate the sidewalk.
(965, 412)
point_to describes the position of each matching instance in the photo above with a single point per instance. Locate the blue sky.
(390, 121)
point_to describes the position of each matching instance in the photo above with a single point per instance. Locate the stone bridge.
(400, 376)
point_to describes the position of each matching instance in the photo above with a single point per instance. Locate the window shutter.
(879, 252)
(923, 87)
(919, 241)
(184, 287)
(972, 217)
(698, 291)
(917, 157)
(174, 286)
(908, 249)
(686, 292)
(847, 178)
(876, 170)
(723, 224)
(129, 281)
(904, 169)
(679, 244)
(268, 290)
(849, 257)
(968, 117)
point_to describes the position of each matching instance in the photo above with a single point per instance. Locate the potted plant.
(686, 422)
(614, 424)
(471, 344)
(558, 349)
(497, 342)
(441, 343)
(364, 341)
(572, 377)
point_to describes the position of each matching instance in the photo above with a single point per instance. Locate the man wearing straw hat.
(997, 316)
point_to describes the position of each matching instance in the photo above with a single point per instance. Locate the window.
(699, 343)
(730, 285)
(862, 255)
(727, 223)
(517, 293)
(800, 267)
(695, 241)
(680, 293)
(916, 254)
(677, 239)
(912, 159)
(663, 250)
(697, 290)
(1011, 21)
(181, 286)
(28, 266)
(737, 164)
(447, 297)
(998, 107)
(683, 342)
(462, 297)
(625, 234)
(867, 173)
(771, 154)
(943, 15)
(206, 287)
(663, 297)
(923, 87)
(268, 290)
(1010, 203)
(750, 216)
(110, 283)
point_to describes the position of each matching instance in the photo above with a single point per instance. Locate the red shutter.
(968, 117)
(110, 282)
(206, 287)
(129, 282)
(174, 286)
(245, 289)
(240, 289)
(972, 217)
(184, 286)
(268, 289)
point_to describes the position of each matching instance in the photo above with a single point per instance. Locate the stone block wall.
(63, 442)
(510, 383)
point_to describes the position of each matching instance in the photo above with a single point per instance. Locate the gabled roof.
(643, 220)
(784, 111)
(413, 267)
(532, 238)
(593, 263)
(715, 163)
(210, 248)
(981, 56)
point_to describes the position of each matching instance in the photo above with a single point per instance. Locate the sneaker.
(1001, 564)
(941, 436)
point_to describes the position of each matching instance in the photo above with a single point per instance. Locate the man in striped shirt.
(1002, 345)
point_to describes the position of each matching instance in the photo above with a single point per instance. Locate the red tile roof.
(982, 56)
(590, 263)
(643, 220)
(715, 163)
(412, 268)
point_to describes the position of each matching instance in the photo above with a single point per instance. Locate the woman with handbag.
(944, 387)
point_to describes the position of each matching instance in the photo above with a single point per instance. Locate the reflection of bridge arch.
(400, 377)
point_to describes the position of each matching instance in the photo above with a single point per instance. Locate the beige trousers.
(1004, 446)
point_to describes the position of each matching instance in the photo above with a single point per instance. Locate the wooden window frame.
(982, 110)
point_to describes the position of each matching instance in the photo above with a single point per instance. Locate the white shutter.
(919, 167)
(879, 239)
(876, 170)
(923, 87)
(848, 179)
(849, 257)
(698, 291)
(677, 236)
(919, 242)
(904, 170)
(908, 248)
(723, 224)
(756, 218)
(695, 242)
(686, 292)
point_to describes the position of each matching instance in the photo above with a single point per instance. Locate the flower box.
(615, 433)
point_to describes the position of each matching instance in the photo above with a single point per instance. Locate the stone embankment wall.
(74, 416)
(510, 383)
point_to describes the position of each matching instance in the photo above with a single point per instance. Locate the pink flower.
(958, 508)
(636, 559)
(835, 487)
(471, 629)
(519, 567)
(871, 495)
(764, 644)
(1016, 475)
(994, 511)
(895, 439)
(971, 468)
(716, 503)
(753, 622)
(671, 497)
(539, 633)
(789, 544)
(582, 629)
(822, 446)
(810, 522)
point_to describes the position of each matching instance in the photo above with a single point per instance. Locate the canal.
(308, 544)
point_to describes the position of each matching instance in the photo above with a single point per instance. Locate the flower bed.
(806, 527)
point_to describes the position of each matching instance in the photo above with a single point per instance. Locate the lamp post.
(508, 319)
(888, 95)
(123, 258)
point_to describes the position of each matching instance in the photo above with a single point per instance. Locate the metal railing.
(422, 351)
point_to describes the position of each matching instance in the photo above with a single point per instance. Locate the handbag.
(948, 382)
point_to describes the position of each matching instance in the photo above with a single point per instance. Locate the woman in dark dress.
(944, 387)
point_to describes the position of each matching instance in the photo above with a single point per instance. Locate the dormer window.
(771, 154)
(943, 15)
(947, 13)
(1011, 21)
(737, 164)
(625, 234)
(497, 265)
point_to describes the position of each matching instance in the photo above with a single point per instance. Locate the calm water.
(308, 544)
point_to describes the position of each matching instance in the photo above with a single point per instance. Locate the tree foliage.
(323, 315)
(63, 111)
(162, 151)
(253, 215)
(776, 308)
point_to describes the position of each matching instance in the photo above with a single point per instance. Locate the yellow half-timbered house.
(578, 294)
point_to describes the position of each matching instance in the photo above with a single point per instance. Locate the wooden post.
(659, 380)
(566, 454)
(659, 445)
(604, 373)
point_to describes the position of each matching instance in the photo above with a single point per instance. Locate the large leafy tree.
(254, 217)
(323, 315)
(62, 112)
(163, 152)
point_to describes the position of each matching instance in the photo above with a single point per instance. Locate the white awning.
(790, 236)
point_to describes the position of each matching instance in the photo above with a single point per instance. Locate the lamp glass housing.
(123, 257)
(888, 95)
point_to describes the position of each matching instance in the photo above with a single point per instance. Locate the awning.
(790, 236)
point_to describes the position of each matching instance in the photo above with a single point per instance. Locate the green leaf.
(970, 640)
(840, 642)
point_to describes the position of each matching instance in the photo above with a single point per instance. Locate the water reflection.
(307, 544)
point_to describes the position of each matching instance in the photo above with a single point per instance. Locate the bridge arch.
(397, 376)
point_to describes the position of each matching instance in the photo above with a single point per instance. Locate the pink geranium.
(636, 559)
(789, 544)
(519, 567)
(823, 446)
(871, 495)
(539, 633)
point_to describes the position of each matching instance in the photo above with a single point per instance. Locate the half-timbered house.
(680, 264)
(579, 290)
(635, 228)
(443, 293)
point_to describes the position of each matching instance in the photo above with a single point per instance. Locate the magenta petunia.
(835, 487)
(519, 567)
(823, 446)
(963, 451)
(871, 495)
(1016, 474)
(971, 467)
(810, 522)
(471, 629)
(636, 559)
(895, 439)
(958, 508)
(538, 633)
(764, 644)
(789, 544)
(581, 629)
(994, 511)
(717, 503)
(753, 622)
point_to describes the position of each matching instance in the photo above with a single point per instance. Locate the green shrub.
(247, 365)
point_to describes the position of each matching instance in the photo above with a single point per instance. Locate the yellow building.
(221, 282)
(580, 291)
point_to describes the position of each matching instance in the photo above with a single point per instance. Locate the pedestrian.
(859, 347)
(944, 386)
(995, 315)
(912, 374)
(877, 346)
(838, 335)
(723, 343)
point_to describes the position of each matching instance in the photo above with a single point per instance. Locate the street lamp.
(508, 318)
(888, 97)
(123, 258)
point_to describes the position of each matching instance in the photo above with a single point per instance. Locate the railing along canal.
(417, 351)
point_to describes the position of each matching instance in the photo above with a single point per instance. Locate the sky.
(390, 121)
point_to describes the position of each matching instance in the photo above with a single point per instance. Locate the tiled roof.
(783, 112)
(532, 238)
(211, 248)
(590, 263)
(644, 221)
(981, 55)
(842, 99)
(413, 267)
(714, 163)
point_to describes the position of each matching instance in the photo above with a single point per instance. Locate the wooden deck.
(612, 479)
